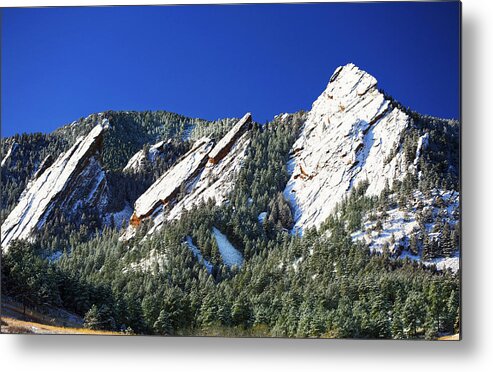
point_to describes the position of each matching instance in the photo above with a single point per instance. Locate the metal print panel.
(274, 170)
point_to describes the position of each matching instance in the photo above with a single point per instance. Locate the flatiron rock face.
(215, 181)
(352, 133)
(166, 188)
(224, 146)
(75, 180)
(207, 171)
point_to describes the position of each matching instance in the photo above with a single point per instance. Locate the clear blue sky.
(59, 64)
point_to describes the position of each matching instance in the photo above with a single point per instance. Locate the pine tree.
(397, 327)
(413, 313)
(240, 312)
(92, 319)
(163, 324)
(413, 245)
(447, 243)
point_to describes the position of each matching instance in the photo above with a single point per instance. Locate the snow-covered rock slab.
(216, 181)
(168, 185)
(75, 179)
(230, 255)
(198, 176)
(351, 134)
(9, 153)
(223, 147)
(45, 164)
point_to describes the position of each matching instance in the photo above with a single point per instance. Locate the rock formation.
(352, 133)
(205, 172)
(75, 180)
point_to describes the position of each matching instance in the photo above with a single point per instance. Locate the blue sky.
(59, 64)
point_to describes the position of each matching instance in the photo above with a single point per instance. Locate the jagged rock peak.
(73, 180)
(352, 134)
(350, 79)
(137, 160)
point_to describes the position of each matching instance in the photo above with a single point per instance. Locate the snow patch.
(147, 265)
(196, 252)
(262, 216)
(230, 255)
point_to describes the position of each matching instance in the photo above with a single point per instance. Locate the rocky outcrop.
(45, 164)
(75, 180)
(166, 188)
(207, 171)
(6, 157)
(423, 143)
(137, 160)
(223, 147)
(352, 133)
(216, 180)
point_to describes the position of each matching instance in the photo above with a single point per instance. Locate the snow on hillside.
(230, 255)
(351, 134)
(154, 260)
(262, 216)
(441, 263)
(120, 218)
(196, 252)
(400, 223)
(187, 133)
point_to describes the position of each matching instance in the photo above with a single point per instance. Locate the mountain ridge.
(354, 133)
(367, 247)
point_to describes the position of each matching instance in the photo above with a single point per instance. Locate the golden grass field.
(11, 325)
(17, 320)
(455, 337)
